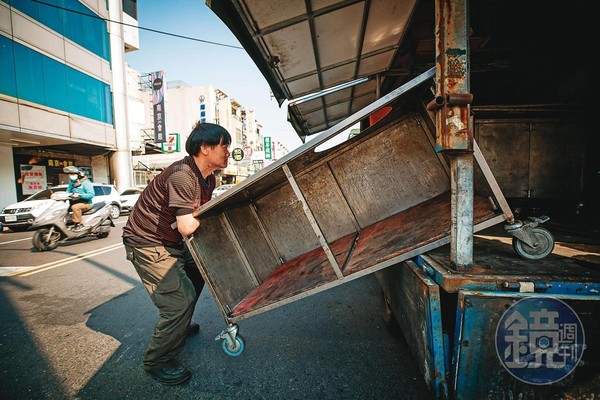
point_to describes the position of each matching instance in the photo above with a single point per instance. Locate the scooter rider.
(82, 193)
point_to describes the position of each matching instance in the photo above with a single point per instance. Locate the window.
(130, 8)
(8, 85)
(140, 178)
(81, 26)
(34, 77)
(128, 192)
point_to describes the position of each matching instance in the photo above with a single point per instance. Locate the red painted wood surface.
(409, 230)
(396, 235)
(296, 276)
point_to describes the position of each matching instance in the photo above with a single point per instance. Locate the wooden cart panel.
(316, 219)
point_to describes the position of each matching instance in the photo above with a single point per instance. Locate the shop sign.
(237, 154)
(33, 178)
(158, 105)
(53, 162)
(268, 153)
(172, 143)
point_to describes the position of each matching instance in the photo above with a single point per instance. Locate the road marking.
(14, 241)
(29, 238)
(66, 261)
(9, 270)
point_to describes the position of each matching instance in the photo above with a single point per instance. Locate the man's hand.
(187, 224)
(75, 195)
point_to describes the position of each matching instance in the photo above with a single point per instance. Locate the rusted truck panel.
(451, 318)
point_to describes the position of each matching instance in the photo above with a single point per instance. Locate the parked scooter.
(54, 225)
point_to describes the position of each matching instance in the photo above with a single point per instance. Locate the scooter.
(54, 225)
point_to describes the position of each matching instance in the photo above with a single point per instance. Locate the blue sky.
(198, 64)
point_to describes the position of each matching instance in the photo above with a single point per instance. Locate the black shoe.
(173, 374)
(193, 329)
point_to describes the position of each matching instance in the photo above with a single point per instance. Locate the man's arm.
(187, 224)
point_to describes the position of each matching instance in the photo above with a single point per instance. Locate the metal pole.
(120, 161)
(454, 131)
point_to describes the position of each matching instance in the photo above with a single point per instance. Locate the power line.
(139, 27)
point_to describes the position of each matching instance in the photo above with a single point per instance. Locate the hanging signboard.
(247, 151)
(268, 152)
(158, 104)
(33, 178)
(237, 154)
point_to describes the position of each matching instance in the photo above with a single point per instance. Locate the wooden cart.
(320, 217)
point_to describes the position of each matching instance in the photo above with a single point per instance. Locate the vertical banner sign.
(33, 178)
(268, 152)
(158, 103)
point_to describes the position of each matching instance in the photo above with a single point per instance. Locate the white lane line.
(9, 270)
(14, 241)
(29, 238)
(66, 261)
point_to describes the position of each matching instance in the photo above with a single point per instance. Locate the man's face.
(219, 155)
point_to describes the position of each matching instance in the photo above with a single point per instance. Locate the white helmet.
(73, 170)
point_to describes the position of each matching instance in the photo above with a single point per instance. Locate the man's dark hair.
(205, 133)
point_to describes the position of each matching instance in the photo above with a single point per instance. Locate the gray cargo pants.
(161, 270)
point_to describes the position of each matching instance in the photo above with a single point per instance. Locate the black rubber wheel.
(545, 245)
(44, 241)
(103, 235)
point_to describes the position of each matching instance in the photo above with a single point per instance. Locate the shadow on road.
(24, 370)
(332, 345)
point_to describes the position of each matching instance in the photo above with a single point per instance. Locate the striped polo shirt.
(178, 190)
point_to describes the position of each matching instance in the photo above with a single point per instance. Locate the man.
(157, 250)
(82, 193)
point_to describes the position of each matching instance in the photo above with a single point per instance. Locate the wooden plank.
(313, 222)
(569, 263)
(296, 276)
(282, 216)
(230, 279)
(247, 228)
(408, 230)
(376, 244)
(391, 172)
(327, 203)
(240, 251)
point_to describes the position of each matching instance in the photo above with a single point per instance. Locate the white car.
(129, 197)
(221, 189)
(20, 216)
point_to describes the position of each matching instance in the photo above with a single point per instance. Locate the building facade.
(63, 92)
(185, 106)
(67, 97)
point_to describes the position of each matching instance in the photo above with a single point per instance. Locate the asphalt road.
(74, 324)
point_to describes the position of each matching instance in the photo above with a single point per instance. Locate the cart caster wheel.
(233, 349)
(545, 245)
